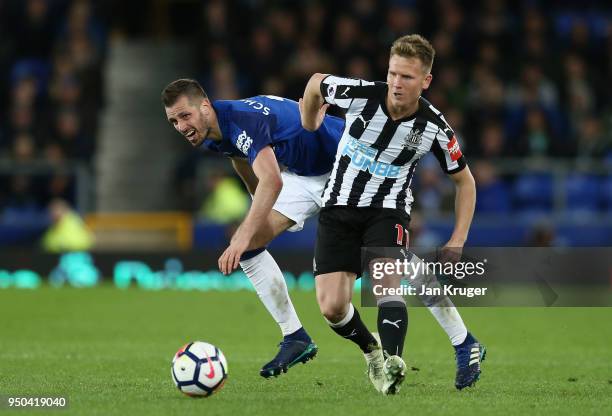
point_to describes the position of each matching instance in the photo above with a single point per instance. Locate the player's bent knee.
(334, 291)
(333, 310)
(334, 314)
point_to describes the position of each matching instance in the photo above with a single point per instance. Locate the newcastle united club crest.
(414, 139)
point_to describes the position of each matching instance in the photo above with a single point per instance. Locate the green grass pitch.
(109, 352)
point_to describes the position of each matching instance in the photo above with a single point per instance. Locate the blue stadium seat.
(493, 199)
(605, 193)
(533, 193)
(582, 193)
(37, 68)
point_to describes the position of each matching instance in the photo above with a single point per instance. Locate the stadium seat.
(533, 193)
(37, 68)
(605, 193)
(493, 199)
(582, 193)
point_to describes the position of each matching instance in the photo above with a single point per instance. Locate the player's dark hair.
(414, 46)
(184, 86)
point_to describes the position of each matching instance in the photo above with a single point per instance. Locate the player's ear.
(427, 81)
(205, 106)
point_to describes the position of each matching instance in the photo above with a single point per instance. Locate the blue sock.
(251, 253)
(299, 335)
(469, 339)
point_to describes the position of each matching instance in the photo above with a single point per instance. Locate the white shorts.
(300, 197)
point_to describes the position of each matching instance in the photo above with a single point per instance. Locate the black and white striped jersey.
(377, 156)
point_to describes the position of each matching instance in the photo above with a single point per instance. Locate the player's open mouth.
(190, 134)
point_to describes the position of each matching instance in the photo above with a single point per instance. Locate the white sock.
(449, 319)
(269, 283)
(441, 307)
(343, 321)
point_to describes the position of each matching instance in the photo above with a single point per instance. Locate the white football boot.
(376, 362)
(395, 373)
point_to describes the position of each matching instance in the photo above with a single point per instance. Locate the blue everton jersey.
(251, 124)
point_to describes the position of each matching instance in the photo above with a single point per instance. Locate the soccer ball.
(199, 369)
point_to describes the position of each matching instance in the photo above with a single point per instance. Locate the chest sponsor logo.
(363, 157)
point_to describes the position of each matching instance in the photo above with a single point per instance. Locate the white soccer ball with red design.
(199, 369)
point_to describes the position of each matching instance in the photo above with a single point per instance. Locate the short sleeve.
(342, 91)
(446, 149)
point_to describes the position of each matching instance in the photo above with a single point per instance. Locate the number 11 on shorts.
(402, 235)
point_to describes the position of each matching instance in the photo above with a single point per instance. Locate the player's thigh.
(278, 222)
(338, 245)
(298, 200)
(275, 224)
(385, 231)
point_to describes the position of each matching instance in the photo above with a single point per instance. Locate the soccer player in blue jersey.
(284, 168)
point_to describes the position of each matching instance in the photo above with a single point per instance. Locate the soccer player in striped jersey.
(367, 199)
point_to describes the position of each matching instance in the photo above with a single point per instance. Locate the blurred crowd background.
(524, 84)
(51, 92)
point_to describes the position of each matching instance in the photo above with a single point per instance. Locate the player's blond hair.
(415, 46)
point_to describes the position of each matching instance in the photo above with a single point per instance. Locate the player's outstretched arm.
(269, 186)
(465, 201)
(312, 103)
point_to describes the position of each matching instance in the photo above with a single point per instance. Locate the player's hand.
(320, 114)
(451, 252)
(230, 259)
